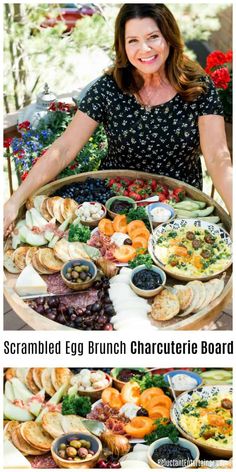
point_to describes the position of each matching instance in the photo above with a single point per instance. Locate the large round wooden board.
(194, 321)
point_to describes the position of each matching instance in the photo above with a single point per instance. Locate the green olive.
(75, 443)
(71, 451)
(62, 447)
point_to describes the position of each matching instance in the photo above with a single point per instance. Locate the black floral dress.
(163, 139)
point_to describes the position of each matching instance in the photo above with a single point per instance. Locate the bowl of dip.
(164, 454)
(183, 380)
(160, 213)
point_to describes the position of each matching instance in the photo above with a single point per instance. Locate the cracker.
(43, 210)
(37, 372)
(60, 376)
(48, 260)
(30, 383)
(9, 263)
(51, 423)
(68, 208)
(22, 444)
(166, 306)
(47, 382)
(185, 296)
(34, 434)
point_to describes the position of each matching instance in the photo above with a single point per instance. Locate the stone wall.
(222, 39)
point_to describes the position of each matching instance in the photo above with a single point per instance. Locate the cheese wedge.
(12, 458)
(29, 282)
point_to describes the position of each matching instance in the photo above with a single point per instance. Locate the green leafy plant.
(76, 405)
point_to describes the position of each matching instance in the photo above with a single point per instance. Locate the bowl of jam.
(120, 376)
(165, 454)
(147, 282)
(119, 205)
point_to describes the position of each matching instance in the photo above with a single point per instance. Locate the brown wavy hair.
(183, 74)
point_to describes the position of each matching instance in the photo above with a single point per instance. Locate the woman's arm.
(58, 156)
(217, 156)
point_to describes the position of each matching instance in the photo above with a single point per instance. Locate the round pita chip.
(61, 250)
(37, 372)
(10, 373)
(60, 376)
(165, 306)
(38, 200)
(8, 262)
(43, 210)
(28, 257)
(49, 260)
(19, 256)
(185, 296)
(47, 382)
(34, 434)
(23, 445)
(38, 266)
(21, 373)
(209, 295)
(68, 208)
(51, 423)
(218, 285)
(30, 383)
(10, 426)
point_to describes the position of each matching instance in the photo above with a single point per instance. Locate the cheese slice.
(12, 458)
(29, 282)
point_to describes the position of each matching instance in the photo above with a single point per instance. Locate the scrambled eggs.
(192, 251)
(209, 421)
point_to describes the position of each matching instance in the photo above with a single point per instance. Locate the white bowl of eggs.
(90, 383)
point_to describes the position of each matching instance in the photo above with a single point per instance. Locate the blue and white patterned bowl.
(183, 223)
(205, 393)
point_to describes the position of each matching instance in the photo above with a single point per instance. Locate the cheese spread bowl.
(184, 443)
(160, 213)
(183, 380)
(202, 417)
(191, 249)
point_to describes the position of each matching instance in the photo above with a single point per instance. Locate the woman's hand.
(11, 209)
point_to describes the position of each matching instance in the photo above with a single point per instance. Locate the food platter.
(76, 418)
(209, 395)
(184, 226)
(195, 321)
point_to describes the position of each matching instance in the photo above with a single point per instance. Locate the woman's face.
(145, 46)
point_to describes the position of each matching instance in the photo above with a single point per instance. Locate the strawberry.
(139, 182)
(117, 188)
(110, 182)
(179, 192)
(135, 196)
(162, 197)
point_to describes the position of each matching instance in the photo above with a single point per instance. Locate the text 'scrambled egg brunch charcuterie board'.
(117, 418)
(81, 241)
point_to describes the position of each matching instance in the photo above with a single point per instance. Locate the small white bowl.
(181, 442)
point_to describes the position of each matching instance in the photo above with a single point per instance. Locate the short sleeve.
(209, 102)
(94, 102)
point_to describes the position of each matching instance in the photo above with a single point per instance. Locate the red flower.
(7, 142)
(216, 58)
(24, 175)
(25, 125)
(221, 78)
(229, 56)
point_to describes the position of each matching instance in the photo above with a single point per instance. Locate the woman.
(157, 106)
